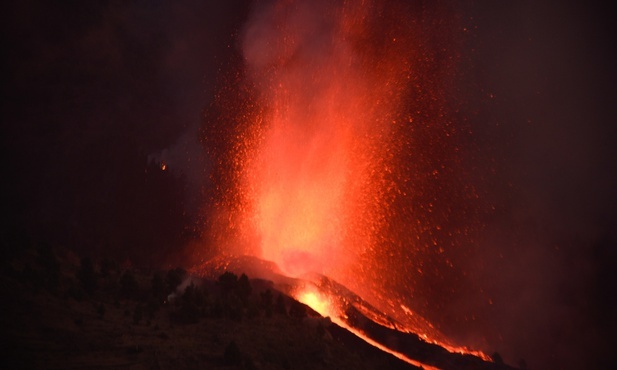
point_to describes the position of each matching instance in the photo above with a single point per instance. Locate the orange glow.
(317, 302)
(326, 307)
(396, 354)
(312, 183)
(340, 153)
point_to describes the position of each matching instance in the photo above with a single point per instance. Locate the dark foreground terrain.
(60, 311)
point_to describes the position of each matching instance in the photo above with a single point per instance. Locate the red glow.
(314, 183)
(327, 308)
(341, 154)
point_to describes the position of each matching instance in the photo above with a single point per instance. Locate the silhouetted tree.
(107, 266)
(174, 278)
(87, 276)
(190, 293)
(279, 306)
(234, 307)
(252, 309)
(201, 296)
(266, 298)
(51, 267)
(522, 364)
(232, 355)
(76, 291)
(244, 288)
(228, 282)
(159, 291)
(128, 284)
(151, 307)
(217, 309)
(297, 310)
(138, 314)
(190, 305)
(266, 302)
(496, 357)
(101, 310)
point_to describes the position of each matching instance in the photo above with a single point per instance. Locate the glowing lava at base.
(413, 341)
(324, 306)
(343, 307)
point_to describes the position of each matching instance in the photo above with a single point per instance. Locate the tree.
(87, 276)
(128, 284)
(51, 267)
(101, 310)
(228, 282)
(244, 288)
(107, 266)
(266, 301)
(279, 306)
(232, 355)
(138, 314)
(297, 310)
(174, 278)
(159, 291)
(266, 298)
(190, 294)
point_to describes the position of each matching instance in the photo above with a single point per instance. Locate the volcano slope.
(60, 312)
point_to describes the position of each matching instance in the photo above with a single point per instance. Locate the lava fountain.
(336, 150)
(326, 126)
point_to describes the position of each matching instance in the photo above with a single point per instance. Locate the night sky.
(98, 95)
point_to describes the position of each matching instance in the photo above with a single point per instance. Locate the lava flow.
(336, 152)
(324, 305)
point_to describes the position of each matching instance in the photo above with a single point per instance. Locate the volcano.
(398, 335)
(338, 143)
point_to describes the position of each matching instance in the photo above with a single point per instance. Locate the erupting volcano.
(435, 176)
(338, 142)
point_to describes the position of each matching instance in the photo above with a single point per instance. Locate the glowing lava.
(334, 150)
(317, 302)
(335, 306)
(313, 184)
(326, 307)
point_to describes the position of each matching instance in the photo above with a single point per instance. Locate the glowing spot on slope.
(317, 302)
